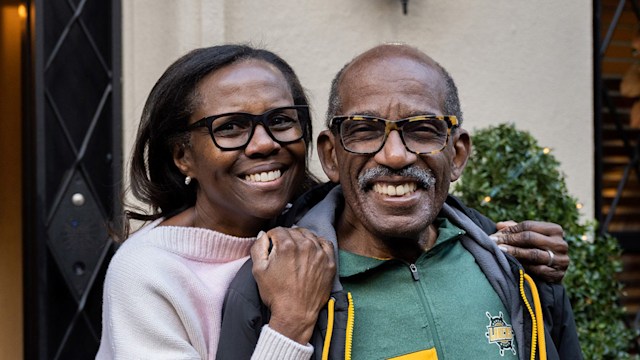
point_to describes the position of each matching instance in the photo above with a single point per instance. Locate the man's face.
(392, 88)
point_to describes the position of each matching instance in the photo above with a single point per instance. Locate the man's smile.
(395, 190)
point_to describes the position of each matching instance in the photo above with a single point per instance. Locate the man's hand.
(539, 246)
(294, 279)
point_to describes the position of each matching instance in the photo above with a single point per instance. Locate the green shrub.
(509, 176)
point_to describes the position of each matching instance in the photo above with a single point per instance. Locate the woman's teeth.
(392, 190)
(263, 176)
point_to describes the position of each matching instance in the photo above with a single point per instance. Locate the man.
(416, 277)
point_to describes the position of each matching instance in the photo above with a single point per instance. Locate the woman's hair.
(154, 178)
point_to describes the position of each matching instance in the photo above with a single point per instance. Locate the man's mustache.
(424, 177)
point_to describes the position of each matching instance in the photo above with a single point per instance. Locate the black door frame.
(40, 298)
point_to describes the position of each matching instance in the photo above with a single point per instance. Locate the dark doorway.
(617, 131)
(72, 172)
(617, 74)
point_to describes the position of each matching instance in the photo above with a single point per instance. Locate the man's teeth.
(392, 190)
(263, 176)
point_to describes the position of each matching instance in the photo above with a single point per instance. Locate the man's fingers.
(532, 240)
(542, 227)
(500, 225)
(549, 274)
(533, 243)
(519, 239)
(531, 256)
(561, 262)
(537, 257)
(535, 261)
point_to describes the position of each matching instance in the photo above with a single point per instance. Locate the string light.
(578, 205)
(486, 199)
(546, 150)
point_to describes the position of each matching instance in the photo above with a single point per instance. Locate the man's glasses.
(233, 131)
(423, 134)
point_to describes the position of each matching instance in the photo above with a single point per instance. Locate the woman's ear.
(461, 152)
(182, 158)
(327, 155)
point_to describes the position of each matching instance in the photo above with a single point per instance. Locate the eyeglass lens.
(235, 130)
(369, 134)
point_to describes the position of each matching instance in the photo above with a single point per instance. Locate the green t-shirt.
(445, 308)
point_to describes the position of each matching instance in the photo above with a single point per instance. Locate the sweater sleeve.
(141, 319)
(273, 345)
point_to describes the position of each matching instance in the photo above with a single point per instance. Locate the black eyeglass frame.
(255, 120)
(450, 120)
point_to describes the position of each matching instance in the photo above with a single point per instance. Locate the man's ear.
(327, 155)
(182, 158)
(461, 152)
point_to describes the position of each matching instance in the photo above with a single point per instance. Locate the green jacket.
(244, 314)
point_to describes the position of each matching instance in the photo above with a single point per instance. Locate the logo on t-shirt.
(500, 333)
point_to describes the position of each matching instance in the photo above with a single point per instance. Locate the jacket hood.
(321, 219)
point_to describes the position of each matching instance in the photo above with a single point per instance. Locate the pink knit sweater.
(163, 296)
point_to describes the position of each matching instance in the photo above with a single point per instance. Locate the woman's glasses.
(233, 131)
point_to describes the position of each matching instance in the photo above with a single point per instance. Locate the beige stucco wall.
(514, 61)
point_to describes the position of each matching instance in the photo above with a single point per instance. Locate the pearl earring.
(187, 180)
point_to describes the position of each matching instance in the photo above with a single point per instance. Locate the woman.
(214, 175)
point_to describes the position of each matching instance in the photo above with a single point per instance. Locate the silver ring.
(552, 258)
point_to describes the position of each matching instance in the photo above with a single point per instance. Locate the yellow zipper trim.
(534, 324)
(349, 335)
(327, 337)
(538, 308)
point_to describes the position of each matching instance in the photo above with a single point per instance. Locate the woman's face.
(234, 196)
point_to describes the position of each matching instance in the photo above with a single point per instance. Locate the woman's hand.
(539, 246)
(294, 278)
